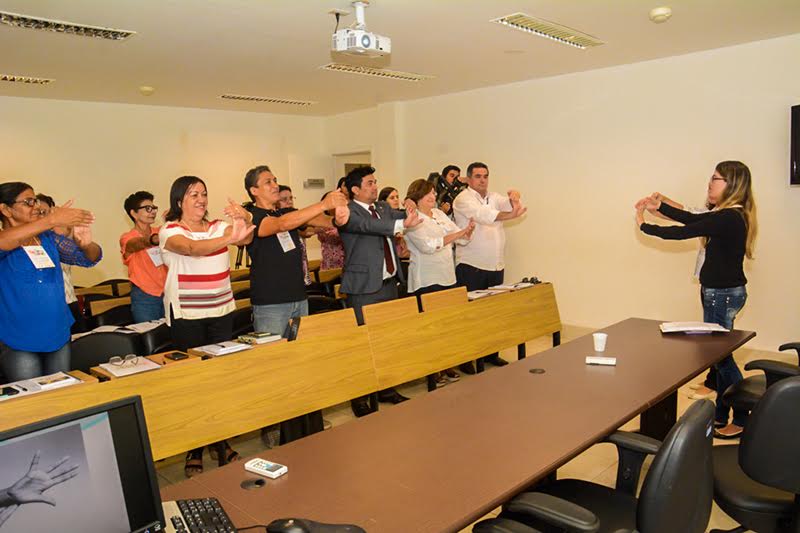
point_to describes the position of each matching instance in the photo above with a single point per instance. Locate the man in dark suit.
(371, 268)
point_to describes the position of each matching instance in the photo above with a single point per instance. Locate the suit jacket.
(363, 237)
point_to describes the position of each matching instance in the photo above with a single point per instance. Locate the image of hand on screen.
(31, 487)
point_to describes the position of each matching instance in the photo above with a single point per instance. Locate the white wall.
(583, 148)
(100, 153)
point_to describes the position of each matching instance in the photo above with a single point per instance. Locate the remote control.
(598, 360)
(262, 467)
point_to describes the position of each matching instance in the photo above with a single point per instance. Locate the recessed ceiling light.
(146, 90)
(267, 99)
(59, 26)
(375, 72)
(30, 80)
(660, 14)
(550, 30)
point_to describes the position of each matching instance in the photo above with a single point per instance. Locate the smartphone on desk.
(8, 391)
(176, 356)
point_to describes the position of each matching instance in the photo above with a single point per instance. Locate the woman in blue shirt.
(34, 318)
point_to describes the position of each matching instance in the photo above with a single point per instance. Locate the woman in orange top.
(142, 256)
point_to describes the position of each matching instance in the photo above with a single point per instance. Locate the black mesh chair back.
(95, 348)
(116, 316)
(768, 450)
(157, 340)
(678, 490)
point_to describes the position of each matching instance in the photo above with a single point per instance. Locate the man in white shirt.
(480, 264)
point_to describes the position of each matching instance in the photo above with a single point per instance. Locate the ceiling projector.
(356, 40)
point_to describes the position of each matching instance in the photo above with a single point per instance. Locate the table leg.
(521, 351)
(659, 419)
(479, 365)
(556, 339)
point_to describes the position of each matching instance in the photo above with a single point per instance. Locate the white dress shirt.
(398, 228)
(486, 249)
(431, 260)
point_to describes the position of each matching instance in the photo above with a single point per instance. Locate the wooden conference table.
(440, 462)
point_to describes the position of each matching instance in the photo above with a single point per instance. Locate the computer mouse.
(304, 525)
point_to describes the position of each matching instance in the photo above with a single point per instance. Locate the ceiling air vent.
(25, 79)
(376, 72)
(550, 30)
(59, 26)
(285, 101)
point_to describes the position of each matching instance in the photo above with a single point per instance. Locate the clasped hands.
(648, 203)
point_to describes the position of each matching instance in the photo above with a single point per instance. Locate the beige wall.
(583, 148)
(100, 153)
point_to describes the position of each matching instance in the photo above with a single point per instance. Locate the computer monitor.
(89, 471)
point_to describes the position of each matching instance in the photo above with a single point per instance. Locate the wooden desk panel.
(446, 337)
(187, 406)
(385, 471)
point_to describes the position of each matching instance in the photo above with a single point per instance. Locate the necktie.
(387, 252)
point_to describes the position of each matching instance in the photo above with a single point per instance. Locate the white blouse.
(431, 260)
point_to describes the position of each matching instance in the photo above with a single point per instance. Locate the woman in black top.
(729, 231)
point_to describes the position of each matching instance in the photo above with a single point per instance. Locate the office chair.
(157, 340)
(241, 294)
(675, 497)
(757, 482)
(116, 316)
(114, 285)
(95, 348)
(746, 393)
(318, 303)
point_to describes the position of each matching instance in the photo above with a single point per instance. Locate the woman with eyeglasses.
(34, 318)
(198, 301)
(142, 256)
(729, 232)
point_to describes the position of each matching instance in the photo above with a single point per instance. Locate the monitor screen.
(88, 471)
(794, 156)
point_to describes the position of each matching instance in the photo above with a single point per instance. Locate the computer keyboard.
(204, 515)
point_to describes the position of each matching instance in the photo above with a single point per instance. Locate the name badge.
(286, 241)
(38, 256)
(155, 256)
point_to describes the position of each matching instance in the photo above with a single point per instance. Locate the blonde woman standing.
(729, 231)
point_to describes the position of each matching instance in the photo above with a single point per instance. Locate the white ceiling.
(192, 51)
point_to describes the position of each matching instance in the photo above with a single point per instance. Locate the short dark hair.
(251, 179)
(282, 188)
(43, 198)
(176, 194)
(448, 168)
(473, 166)
(418, 189)
(340, 182)
(10, 190)
(355, 176)
(135, 200)
(385, 192)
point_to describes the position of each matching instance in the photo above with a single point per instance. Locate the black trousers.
(188, 333)
(388, 291)
(475, 279)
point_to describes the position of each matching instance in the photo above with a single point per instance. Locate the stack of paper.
(144, 327)
(259, 338)
(691, 327)
(474, 295)
(512, 287)
(39, 384)
(224, 348)
(142, 365)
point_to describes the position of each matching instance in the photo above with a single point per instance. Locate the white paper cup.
(600, 341)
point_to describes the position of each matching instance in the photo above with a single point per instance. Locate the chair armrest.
(791, 346)
(632, 449)
(773, 370)
(502, 525)
(634, 442)
(555, 511)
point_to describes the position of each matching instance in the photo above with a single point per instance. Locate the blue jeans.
(720, 306)
(275, 318)
(19, 364)
(145, 307)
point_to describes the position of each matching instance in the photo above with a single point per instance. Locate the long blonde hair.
(739, 192)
